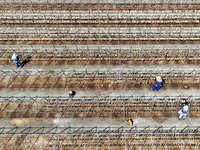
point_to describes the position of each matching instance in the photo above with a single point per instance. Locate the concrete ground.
(145, 66)
(102, 122)
(135, 92)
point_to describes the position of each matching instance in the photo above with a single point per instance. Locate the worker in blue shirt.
(158, 83)
(184, 110)
(16, 60)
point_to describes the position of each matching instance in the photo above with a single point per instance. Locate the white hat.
(14, 56)
(185, 108)
(158, 78)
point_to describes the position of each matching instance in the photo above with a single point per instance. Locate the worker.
(72, 94)
(16, 60)
(158, 83)
(184, 110)
(130, 122)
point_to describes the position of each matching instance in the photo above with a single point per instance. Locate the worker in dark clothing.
(158, 83)
(72, 94)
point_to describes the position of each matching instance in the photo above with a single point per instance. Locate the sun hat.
(158, 78)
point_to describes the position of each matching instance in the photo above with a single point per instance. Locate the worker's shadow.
(25, 61)
(163, 83)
